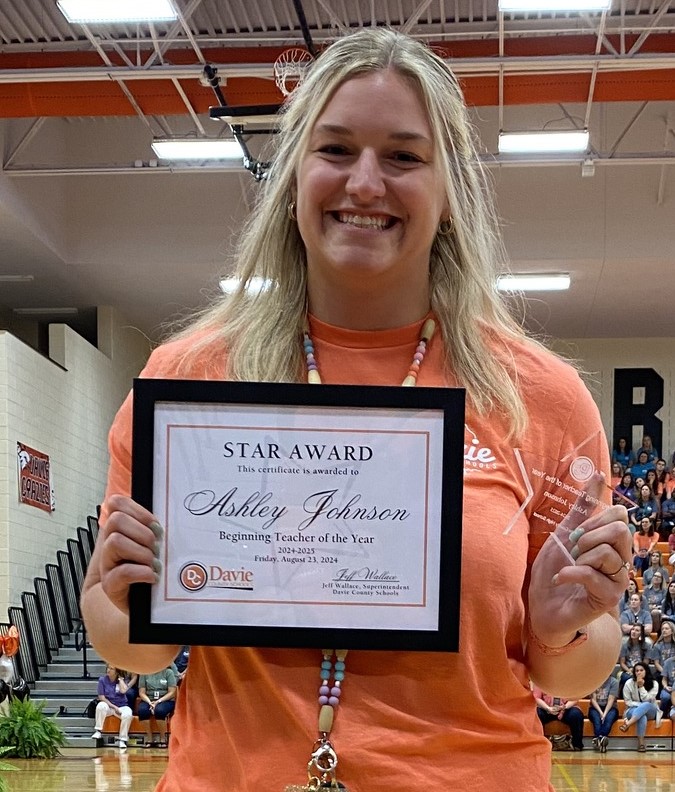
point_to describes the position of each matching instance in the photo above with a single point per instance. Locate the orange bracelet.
(555, 651)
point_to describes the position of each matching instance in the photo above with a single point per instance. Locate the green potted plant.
(5, 767)
(26, 732)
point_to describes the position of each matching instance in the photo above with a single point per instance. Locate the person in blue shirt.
(648, 447)
(663, 650)
(655, 565)
(640, 468)
(668, 515)
(647, 508)
(667, 686)
(602, 712)
(653, 596)
(624, 491)
(622, 453)
(636, 648)
(181, 662)
(635, 614)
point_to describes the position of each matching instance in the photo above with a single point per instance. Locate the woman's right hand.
(128, 549)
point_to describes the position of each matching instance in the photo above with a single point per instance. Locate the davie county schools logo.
(195, 576)
(582, 468)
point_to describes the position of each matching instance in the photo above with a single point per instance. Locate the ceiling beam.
(542, 64)
(634, 159)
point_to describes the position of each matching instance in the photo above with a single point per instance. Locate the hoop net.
(290, 69)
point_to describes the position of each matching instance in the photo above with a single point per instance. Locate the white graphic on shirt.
(476, 456)
(528, 497)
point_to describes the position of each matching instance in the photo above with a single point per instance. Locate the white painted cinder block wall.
(62, 406)
(599, 357)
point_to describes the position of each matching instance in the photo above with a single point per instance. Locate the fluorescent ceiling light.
(526, 282)
(535, 6)
(255, 286)
(543, 142)
(16, 278)
(45, 311)
(197, 149)
(98, 11)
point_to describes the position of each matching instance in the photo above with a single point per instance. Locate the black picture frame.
(147, 393)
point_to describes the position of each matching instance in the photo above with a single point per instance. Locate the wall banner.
(35, 481)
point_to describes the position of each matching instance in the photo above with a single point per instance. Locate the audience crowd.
(643, 482)
(152, 697)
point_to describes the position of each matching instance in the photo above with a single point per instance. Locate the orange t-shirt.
(246, 718)
(643, 541)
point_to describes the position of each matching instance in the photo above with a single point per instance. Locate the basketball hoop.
(290, 69)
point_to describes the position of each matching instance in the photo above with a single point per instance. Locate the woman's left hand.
(564, 597)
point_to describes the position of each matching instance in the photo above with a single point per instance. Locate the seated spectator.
(624, 492)
(655, 565)
(617, 474)
(622, 453)
(644, 541)
(635, 648)
(662, 478)
(647, 447)
(640, 468)
(132, 689)
(181, 663)
(667, 518)
(550, 708)
(663, 649)
(666, 698)
(653, 597)
(668, 607)
(647, 506)
(670, 483)
(631, 589)
(635, 614)
(653, 483)
(640, 694)
(602, 712)
(157, 698)
(112, 690)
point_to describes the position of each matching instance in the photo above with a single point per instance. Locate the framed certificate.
(300, 516)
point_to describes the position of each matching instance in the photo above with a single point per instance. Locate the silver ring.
(625, 565)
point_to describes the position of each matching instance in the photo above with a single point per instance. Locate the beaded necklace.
(314, 378)
(323, 760)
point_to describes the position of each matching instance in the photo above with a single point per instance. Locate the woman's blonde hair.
(261, 332)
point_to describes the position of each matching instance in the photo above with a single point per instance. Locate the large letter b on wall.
(627, 414)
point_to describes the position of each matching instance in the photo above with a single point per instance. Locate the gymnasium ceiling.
(87, 211)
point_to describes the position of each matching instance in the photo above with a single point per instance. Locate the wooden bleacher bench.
(664, 734)
(111, 726)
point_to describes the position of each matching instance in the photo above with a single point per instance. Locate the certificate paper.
(296, 515)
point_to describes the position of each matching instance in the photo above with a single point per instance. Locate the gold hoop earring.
(445, 227)
(291, 211)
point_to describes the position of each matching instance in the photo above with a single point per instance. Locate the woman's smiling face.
(370, 194)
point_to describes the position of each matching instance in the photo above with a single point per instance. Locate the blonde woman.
(655, 565)
(653, 598)
(663, 650)
(374, 220)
